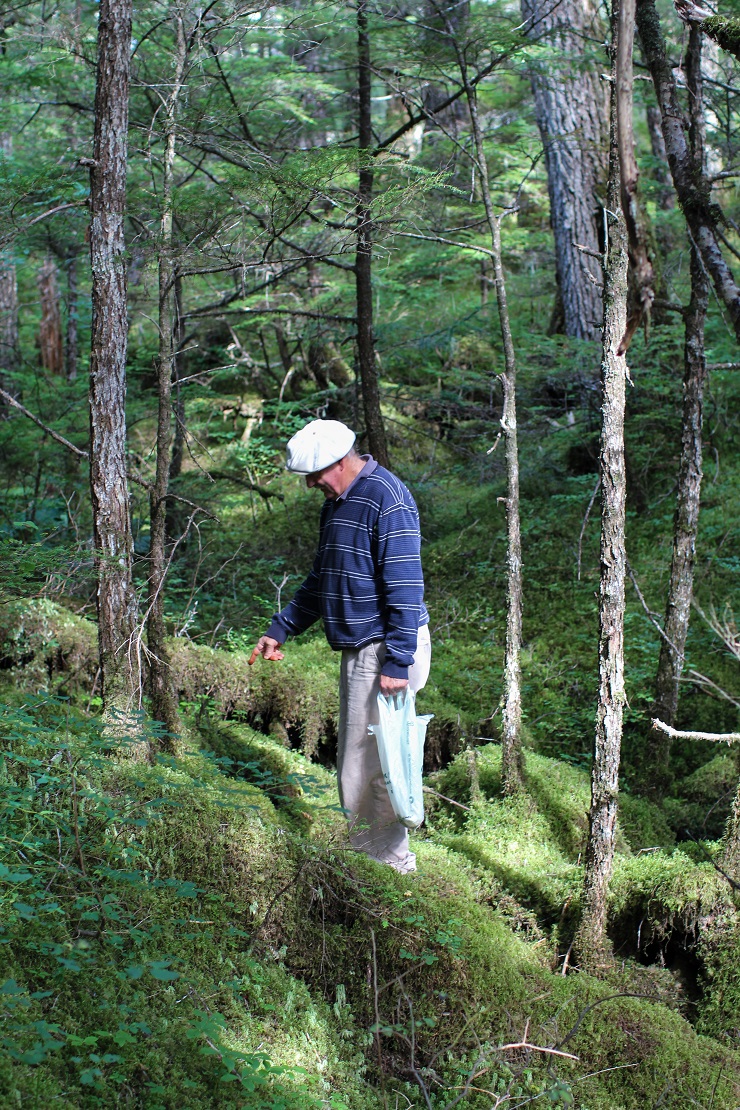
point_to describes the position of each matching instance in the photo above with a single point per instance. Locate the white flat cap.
(319, 444)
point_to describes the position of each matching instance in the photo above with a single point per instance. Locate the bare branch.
(10, 400)
(678, 734)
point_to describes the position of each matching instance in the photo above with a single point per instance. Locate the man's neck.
(354, 466)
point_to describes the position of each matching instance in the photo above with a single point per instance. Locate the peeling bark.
(570, 106)
(116, 600)
(591, 943)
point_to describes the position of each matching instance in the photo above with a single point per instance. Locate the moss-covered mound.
(197, 933)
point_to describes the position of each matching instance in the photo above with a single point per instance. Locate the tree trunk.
(9, 350)
(686, 519)
(591, 942)
(693, 190)
(731, 843)
(512, 768)
(161, 686)
(374, 426)
(116, 600)
(51, 347)
(570, 107)
(71, 351)
(178, 442)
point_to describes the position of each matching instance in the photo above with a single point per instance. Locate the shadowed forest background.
(275, 213)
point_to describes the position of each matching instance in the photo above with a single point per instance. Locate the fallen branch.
(677, 734)
(428, 790)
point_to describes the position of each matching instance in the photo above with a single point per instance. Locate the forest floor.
(196, 932)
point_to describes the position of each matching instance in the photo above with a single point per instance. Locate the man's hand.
(390, 686)
(268, 649)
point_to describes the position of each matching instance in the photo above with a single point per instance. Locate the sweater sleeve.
(399, 565)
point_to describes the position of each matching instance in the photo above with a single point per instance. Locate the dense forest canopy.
(499, 241)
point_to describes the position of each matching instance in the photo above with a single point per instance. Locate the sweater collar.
(368, 468)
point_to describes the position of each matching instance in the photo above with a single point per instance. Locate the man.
(367, 585)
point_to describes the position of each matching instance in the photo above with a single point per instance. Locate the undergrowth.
(198, 933)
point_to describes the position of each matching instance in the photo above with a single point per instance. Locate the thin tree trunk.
(71, 349)
(570, 107)
(686, 519)
(731, 842)
(161, 686)
(512, 768)
(591, 942)
(9, 349)
(693, 190)
(116, 600)
(51, 346)
(374, 426)
(178, 442)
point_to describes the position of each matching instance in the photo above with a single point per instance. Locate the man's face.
(330, 480)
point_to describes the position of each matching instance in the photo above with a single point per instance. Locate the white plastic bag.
(400, 735)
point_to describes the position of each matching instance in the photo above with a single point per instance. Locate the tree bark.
(731, 843)
(512, 764)
(629, 175)
(71, 346)
(693, 191)
(178, 442)
(51, 347)
(9, 349)
(686, 519)
(116, 600)
(591, 942)
(161, 685)
(374, 427)
(570, 108)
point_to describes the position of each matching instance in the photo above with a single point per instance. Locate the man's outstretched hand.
(268, 649)
(390, 686)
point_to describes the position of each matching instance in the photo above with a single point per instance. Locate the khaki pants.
(373, 826)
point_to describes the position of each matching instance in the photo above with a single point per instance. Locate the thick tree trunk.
(686, 519)
(570, 107)
(591, 942)
(693, 190)
(116, 600)
(512, 769)
(374, 426)
(51, 346)
(71, 346)
(161, 685)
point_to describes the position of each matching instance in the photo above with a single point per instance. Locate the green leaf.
(161, 971)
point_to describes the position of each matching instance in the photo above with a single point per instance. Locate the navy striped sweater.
(366, 582)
